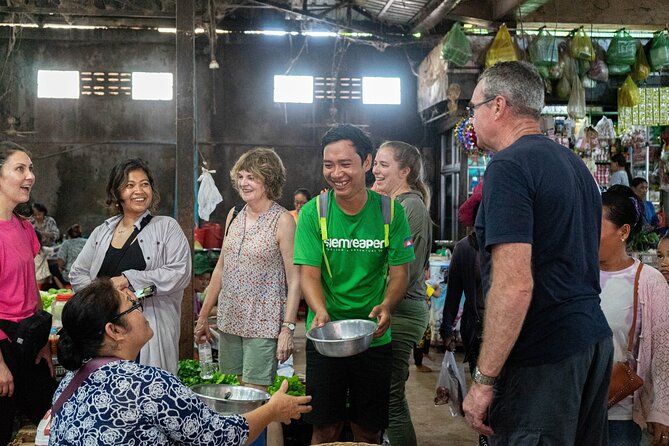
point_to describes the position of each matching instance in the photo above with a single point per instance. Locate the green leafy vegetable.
(295, 386)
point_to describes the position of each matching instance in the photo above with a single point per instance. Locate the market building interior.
(190, 85)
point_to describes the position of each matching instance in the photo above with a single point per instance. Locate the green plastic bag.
(628, 94)
(581, 46)
(659, 50)
(502, 48)
(622, 49)
(543, 49)
(619, 70)
(456, 47)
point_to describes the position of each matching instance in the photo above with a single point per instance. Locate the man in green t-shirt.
(361, 279)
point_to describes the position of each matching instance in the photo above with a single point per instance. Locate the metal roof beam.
(433, 13)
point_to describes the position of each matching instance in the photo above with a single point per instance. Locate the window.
(381, 90)
(294, 89)
(152, 86)
(58, 84)
(106, 83)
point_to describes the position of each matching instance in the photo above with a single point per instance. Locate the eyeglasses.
(137, 304)
(472, 107)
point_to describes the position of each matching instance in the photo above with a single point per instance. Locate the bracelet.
(485, 380)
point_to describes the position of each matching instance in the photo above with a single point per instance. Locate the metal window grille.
(344, 88)
(106, 83)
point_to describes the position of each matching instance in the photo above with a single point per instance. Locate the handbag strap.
(630, 336)
(83, 373)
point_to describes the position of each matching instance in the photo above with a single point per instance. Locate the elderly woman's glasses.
(136, 304)
(472, 107)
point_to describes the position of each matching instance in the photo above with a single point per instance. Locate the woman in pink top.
(25, 383)
(646, 412)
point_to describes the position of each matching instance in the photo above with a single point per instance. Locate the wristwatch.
(480, 378)
(289, 325)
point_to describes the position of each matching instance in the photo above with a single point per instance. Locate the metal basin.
(227, 399)
(342, 338)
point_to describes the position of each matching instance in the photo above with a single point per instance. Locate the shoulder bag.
(624, 380)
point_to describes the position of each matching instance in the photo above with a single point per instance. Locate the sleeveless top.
(253, 284)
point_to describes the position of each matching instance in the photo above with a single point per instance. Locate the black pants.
(33, 390)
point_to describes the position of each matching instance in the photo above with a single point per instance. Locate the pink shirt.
(18, 287)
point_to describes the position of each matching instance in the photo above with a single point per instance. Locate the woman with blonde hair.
(398, 170)
(254, 281)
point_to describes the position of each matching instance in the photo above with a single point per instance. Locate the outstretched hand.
(285, 408)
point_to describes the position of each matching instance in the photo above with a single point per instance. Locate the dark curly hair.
(118, 178)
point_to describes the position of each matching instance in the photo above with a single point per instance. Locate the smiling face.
(343, 170)
(663, 258)
(138, 330)
(251, 187)
(387, 172)
(16, 180)
(136, 194)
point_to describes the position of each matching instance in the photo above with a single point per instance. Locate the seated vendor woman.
(123, 402)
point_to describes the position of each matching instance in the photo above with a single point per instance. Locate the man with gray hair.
(543, 373)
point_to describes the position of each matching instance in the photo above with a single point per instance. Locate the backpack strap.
(322, 202)
(388, 211)
(235, 211)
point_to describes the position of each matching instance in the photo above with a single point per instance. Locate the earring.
(622, 239)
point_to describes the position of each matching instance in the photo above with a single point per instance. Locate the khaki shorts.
(254, 359)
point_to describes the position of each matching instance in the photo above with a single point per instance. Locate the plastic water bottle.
(207, 366)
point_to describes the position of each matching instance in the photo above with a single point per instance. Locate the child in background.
(663, 257)
(422, 349)
(202, 270)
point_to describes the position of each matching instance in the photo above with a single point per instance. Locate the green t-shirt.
(356, 253)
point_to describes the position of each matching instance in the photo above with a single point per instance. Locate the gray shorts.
(254, 359)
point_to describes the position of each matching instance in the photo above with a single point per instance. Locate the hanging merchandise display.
(641, 69)
(466, 136)
(501, 49)
(652, 109)
(622, 49)
(456, 47)
(628, 94)
(659, 50)
(599, 71)
(208, 196)
(544, 49)
(576, 104)
(581, 45)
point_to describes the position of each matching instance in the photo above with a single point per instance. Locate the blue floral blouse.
(125, 403)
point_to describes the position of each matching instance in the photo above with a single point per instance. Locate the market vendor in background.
(640, 187)
(398, 171)
(300, 198)
(69, 250)
(26, 383)
(136, 249)
(45, 224)
(620, 173)
(202, 270)
(621, 277)
(341, 282)
(130, 403)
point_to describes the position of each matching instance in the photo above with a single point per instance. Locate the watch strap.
(485, 380)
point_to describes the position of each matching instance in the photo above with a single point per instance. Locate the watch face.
(291, 326)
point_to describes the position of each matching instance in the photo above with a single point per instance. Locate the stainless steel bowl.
(342, 338)
(227, 399)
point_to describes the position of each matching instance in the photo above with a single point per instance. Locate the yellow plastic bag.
(502, 48)
(641, 68)
(628, 94)
(581, 46)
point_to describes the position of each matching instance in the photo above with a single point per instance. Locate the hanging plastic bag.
(622, 49)
(628, 94)
(581, 46)
(563, 88)
(598, 69)
(605, 128)
(659, 50)
(208, 195)
(451, 386)
(502, 48)
(456, 47)
(641, 69)
(543, 49)
(576, 104)
(619, 70)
